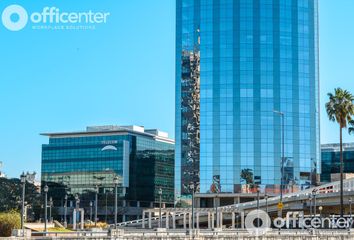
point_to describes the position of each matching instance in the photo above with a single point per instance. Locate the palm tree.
(340, 109)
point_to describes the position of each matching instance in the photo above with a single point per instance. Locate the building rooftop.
(334, 147)
(113, 129)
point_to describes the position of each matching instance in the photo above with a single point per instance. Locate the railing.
(71, 234)
(290, 197)
(334, 187)
(204, 234)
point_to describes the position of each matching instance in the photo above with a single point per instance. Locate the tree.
(340, 109)
(10, 196)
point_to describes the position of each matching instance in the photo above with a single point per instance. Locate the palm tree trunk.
(341, 172)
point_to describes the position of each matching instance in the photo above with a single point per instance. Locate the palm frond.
(340, 107)
(351, 127)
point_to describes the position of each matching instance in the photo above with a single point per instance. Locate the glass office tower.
(82, 163)
(236, 62)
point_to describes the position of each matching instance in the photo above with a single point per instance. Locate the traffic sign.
(280, 205)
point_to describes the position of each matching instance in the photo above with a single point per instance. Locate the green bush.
(9, 221)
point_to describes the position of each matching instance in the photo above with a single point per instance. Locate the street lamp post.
(24, 178)
(116, 181)
(45, 208)
(350, 207)
(160, 195)
(65, 210)
(77, 200)
(106, 204)
(266, 199)
(310, 200)
(283, 153)
(23, 181)
(91, 210)
(193, 206)
(258, 223)
(314, 204)
(50, 209)
(216, 210)
(77, 207)
(96, 204)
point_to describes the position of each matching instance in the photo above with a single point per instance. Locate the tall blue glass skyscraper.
(236, 62)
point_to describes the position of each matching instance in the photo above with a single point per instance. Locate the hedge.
(9, 221)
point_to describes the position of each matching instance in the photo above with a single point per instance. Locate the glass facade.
(253, 57)
(331, 160)
(77, 163)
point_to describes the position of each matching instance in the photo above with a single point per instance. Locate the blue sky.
(120, 73)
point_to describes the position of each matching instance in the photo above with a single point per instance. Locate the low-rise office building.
(330, 154)
(79, 164)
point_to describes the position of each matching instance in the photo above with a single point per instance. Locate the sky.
(121, 73)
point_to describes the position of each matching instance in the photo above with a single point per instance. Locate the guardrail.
(290, 197)
(202, 234)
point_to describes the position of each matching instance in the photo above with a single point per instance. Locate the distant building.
(79, 162)
(2, 174)
(331, 161)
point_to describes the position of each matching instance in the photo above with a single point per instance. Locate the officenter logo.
(16, 18)
(258, 222)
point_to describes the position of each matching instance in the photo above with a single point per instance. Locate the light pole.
(160, 195)
(96, 196)
(216, 211)
(45, 208)
(65, 210)
(24, 178)
(193, 206)
(350, 207)
(116, 181)
(266, 199)
(77, 200)
(91, 211)
(50, 209)
(283, 154)
(23, 181)
(310, 200)
(77, 207)
(106, 204)
(96, 204)
(258, 205)
(314, 204)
